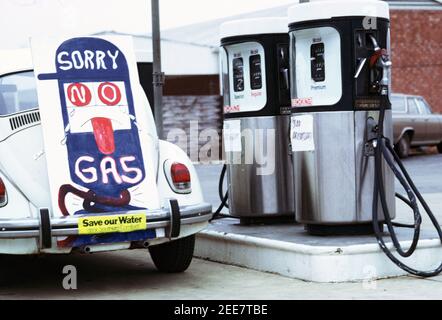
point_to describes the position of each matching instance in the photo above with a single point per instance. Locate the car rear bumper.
(68, 226)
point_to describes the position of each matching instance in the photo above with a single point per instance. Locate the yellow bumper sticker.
(112, 224)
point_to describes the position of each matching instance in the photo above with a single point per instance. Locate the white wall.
(183, 58)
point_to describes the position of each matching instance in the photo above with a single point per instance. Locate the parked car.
(415, 124)
(27, 226)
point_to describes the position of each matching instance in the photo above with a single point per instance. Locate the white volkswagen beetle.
(27, 223)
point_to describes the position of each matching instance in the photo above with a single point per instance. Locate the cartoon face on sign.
(101, 135)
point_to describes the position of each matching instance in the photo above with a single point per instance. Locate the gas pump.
(256, 89)
(342, 124)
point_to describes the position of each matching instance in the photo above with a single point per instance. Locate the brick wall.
(416, 38)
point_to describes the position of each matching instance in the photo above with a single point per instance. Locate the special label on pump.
(301, 133)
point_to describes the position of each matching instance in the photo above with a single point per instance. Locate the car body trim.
(68, 226)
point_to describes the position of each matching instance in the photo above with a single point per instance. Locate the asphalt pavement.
(131, 275)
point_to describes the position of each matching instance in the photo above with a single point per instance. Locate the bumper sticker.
(112, 224)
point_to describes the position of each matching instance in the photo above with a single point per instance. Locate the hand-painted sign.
(90, 125)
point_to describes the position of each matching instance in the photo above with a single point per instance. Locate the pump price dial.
(255, 72)
(238, 74)
(318, 62)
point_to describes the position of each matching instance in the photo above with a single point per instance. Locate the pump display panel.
(255, 72)
(318, 62)
(245, 83)
(316, 53)
(238, 74)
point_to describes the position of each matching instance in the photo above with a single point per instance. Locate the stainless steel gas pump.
(341, 127)
(256, 90)
(340, 83)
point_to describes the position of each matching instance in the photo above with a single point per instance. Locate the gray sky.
(21, 19)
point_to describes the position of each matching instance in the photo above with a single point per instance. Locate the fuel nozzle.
(380, 66)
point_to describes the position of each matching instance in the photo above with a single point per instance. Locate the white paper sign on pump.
(301, 133)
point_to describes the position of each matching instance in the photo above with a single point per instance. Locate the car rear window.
(412, 106)
(423, 107)
(398, 104)
(18, 93)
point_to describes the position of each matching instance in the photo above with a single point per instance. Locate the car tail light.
(3, 195)
(180, 176)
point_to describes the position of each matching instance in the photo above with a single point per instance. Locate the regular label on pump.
(301, 133)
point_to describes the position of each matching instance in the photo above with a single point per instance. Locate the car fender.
(403, 132)
(439, 118)
(17, 206)
(169, 151)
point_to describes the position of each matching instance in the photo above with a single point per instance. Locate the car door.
(432, 126)
(418, 122)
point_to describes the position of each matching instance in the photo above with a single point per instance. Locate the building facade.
(193, 101)
(416, 40)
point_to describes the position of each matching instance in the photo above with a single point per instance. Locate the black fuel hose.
(224, 197)
(384, 151)
(221, 193)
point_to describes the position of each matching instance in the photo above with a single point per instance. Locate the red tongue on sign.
(104, 135)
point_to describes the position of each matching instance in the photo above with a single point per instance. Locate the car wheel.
(439, 147)
(174, 256)
(403, 147)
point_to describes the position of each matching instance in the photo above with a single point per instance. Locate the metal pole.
(158, 75)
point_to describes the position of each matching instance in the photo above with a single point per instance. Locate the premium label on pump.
(318, 80)
(301, 133)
